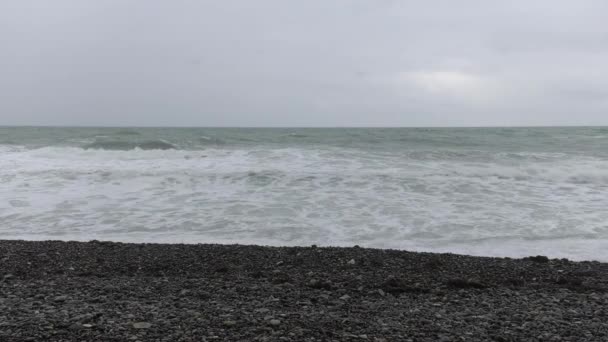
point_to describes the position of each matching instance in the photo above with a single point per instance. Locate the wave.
(443, 201)
(127, 132)
(117, 145)
(296, 135)
(479, 167)
(206, 140)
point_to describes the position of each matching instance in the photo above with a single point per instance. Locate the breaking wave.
(117, 145)
(265, 187)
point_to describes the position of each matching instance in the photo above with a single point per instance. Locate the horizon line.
(299, 127)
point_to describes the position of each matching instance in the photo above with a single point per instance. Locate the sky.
(303, 63)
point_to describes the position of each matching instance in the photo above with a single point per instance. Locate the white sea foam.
(528, 203)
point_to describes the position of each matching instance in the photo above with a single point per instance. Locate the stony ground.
(103, 291)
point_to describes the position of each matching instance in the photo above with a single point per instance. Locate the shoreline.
(112, 291)
(486, 248)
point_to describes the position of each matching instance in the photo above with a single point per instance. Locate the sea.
(506, 192)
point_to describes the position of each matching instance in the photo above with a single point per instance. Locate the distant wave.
(117, 145)
(205, 140)
(127, 132)
(296, 135)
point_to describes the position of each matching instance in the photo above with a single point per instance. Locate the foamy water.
(509, 192)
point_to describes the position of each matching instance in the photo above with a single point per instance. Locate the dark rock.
(465, 284)
(280, 278)
(221, 268)
(318, 284)
(516, 282)
(257, 274)
(434, 263)
(569, 281)
(539, 258)
(396, 286)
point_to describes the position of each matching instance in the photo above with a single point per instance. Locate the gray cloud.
(304, 63)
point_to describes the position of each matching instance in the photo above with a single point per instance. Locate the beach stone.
(465, 284)
(280, 278)
(75, 326)
(142, 325)
(317, 284)
(229, 323)
(143, 282)
(352, 262)
(60, 299)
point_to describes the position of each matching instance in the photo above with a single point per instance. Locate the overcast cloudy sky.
(304, 63)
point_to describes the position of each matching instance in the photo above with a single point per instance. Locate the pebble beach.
(106, 291)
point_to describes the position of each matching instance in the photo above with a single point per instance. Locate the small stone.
(465, 283)
(316, 284)
(274, 322)
(345, 297)
(8, 277)
(87, 325)
(382, 293)
(75, 326)
(221, 268)
(142, 325)
(229, 323)
(280, 278)
(60, 299)
(351, 262)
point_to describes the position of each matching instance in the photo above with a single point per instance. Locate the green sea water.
(484, 191)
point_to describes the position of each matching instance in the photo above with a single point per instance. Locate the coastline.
(90, 291)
